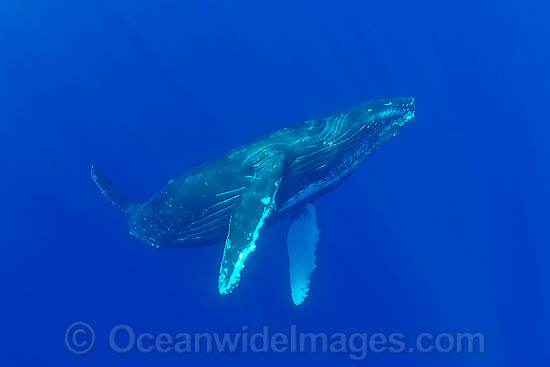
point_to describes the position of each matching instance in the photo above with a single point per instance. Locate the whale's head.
(390, 113)
(375, 122)
(365, 126)
(347, 138)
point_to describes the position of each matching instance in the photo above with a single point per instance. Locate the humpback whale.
(230, 199)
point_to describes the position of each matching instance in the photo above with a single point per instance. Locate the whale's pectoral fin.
(254, 205)
(302, 239)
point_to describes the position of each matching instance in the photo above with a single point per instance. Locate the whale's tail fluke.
(111, 192)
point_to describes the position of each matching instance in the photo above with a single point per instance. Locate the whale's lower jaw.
(310, 192)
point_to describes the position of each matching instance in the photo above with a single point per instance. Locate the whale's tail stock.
(112, 192)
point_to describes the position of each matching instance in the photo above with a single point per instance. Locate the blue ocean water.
(444, 230)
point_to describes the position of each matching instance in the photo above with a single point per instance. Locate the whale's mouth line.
(408, 116)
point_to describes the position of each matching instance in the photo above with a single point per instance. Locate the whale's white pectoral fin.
(302, 239)
(254, 205)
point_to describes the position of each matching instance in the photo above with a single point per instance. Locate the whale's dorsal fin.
(254, 205)
(301, 240)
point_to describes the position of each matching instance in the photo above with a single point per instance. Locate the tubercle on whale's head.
(397, 110)
(381, 119)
